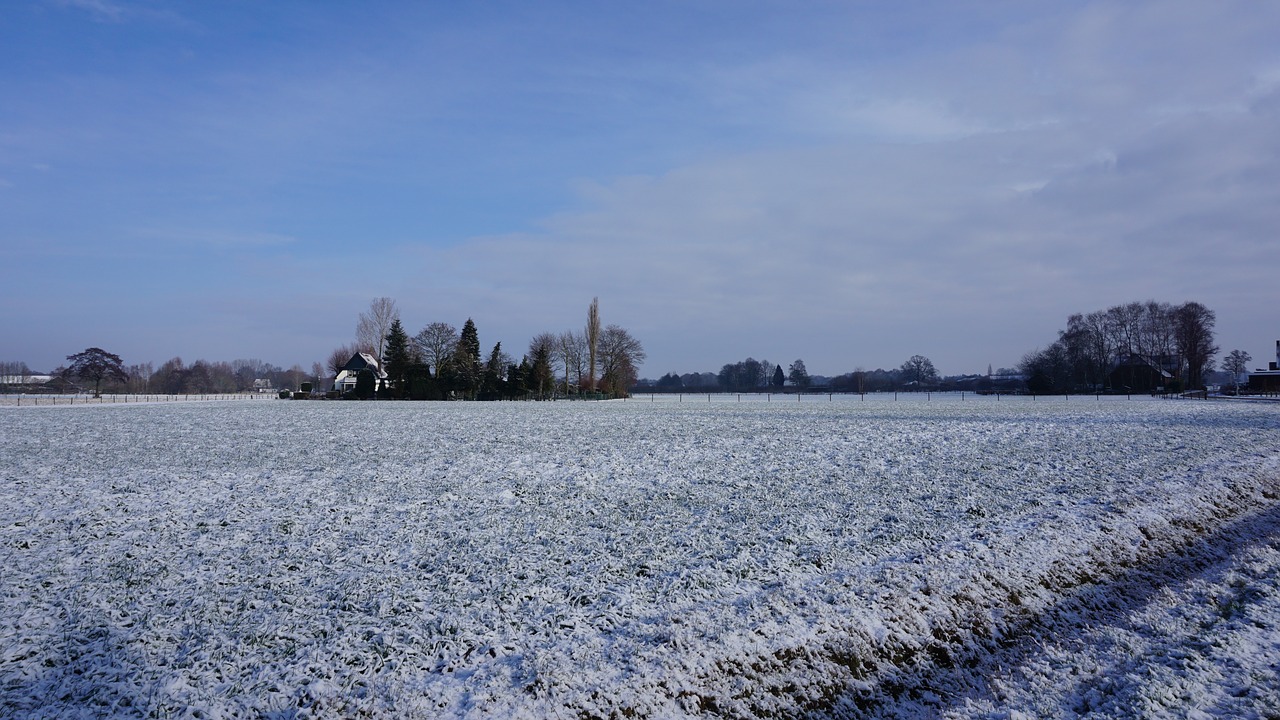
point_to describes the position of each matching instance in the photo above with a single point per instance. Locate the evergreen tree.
(491, 386)
(399, 358)
(467, 371)
(419, 385)
(524, 372)
(778, 378)
(542, 381)
(366, 385)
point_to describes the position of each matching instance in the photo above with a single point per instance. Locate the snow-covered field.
(850, 558)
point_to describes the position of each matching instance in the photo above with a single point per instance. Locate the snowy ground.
(967, 558)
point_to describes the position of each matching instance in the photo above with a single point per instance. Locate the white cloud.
(794, 195)
(973, 241)
(100, 9)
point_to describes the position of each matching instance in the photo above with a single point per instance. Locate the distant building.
(32, 379)
(346, 379)
(1140, 374)
(1267, 381)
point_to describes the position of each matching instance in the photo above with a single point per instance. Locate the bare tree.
(139, 377)
(17, 372)
(918, 369)
(571, 351)
(435, 343)
(339, 358)
(1237, 363)
(620, 354)
(592, 333)
(373, 326)
(1195, 341)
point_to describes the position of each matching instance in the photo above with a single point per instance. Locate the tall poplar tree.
(593, 340)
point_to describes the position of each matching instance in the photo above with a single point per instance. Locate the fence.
(111, 399)
(962, 396)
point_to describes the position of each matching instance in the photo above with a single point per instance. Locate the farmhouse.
(1267, 381)
(1140, 374)
(346, 379)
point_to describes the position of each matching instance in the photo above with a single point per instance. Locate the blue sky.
(849, 183)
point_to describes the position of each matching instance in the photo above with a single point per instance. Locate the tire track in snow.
(1122, 646)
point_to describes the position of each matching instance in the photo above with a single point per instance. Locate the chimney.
(1276, 365)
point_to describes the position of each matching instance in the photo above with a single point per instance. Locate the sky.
(847, 183)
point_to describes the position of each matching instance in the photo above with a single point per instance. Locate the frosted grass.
(544, 559)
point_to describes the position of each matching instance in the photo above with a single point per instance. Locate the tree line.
(1173, 339)
(751, 375)
(174, 377)
(1176, 340)
(441, 362)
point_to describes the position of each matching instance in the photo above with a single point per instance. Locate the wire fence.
(45, 400)
(923, 397)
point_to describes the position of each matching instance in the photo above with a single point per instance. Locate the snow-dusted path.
(1194, 633)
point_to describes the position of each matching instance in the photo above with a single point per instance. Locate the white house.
(346, 379)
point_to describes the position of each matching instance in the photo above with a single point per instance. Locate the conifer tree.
(542, 381)
(399, 358)
(366, 385)
(491, 386)
(466, 361)
(524, 374)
